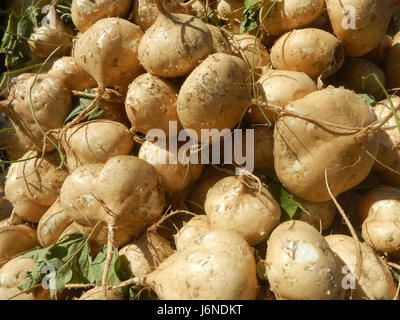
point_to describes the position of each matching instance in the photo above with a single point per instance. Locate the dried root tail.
(88, 111)
(110, 252)
(253, 180)
(359, 261)
(10, 221)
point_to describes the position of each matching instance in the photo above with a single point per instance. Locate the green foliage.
(3, 166)
(16, 50)
(71, 263)
(251, 3)
(82, 105)
(395, 274)
(19, 28)
(261, 275)
(286, 200)
(370, 99)
(388, 98)
(211, 18)
(3, 154)
(63, 10)
(250, 16)
(260, 268)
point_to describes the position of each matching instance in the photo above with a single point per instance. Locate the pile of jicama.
(83, 176)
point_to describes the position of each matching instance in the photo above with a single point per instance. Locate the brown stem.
(25, 291)
(365, 133)
(382, 122)
(243, 184)
(72, 257)
(56, 133)
(11, 219)
(110, 251)
(108, 96)
(134, 281)
(381, 163)
(79, 285)
(360, 133)
(359, 258)
(164, 217)
(85, 113)
(280, 111)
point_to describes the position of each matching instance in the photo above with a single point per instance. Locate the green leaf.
(289, 204)
(37, 254)
(96, 114)
(63, 10)
(64, 277)
(24, 28)
(80, 268)
(19, 28)
(249, 20)
(211, 18)
(95, 273)
(395, 274)
(84, 261)
(28, 284)
(260, 267)
(12, 25)
(370, 99)
(54, 257)
(74, 113)
(286, 200)
(250, 16)
(82, 105)
(33, 13)
(11, 45)
(251, 3)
